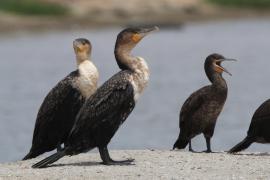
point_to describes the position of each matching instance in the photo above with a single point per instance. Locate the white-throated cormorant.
(105, 111)
(259, 129)
(58, 111)
(200, 111)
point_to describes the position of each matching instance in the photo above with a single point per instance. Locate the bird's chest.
(139, 78)
(86, 82)
(139, 81)
(86, 86)
(210, 110)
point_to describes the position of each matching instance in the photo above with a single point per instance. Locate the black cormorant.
(105, 111)
(58, 111)
(201, 110)
(259, 129)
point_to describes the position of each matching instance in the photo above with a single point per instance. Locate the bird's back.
(200, 110)
(103, 113)
(260, 123)
(57, 114)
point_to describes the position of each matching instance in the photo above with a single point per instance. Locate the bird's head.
(213, 62)
(130, 37)
(82, 48)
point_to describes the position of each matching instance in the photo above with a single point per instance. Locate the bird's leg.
(107, 160)
(208, 144)
(190, 146)
(59, 147)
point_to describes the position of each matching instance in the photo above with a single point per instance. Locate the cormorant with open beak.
(259, 129)
(105, 111)
(58, 111)
(201, 110)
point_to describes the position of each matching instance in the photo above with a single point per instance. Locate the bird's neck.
(218, 81)
(138, 67)
(127, 61)
(124, 58)
(88, 70)
(88, 78)
(81, 59)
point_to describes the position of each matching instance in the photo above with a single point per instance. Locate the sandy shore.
(149, 164)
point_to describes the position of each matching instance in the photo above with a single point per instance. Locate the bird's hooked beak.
(77, 46)
(143, 32)
(219, 68)
(146, 31)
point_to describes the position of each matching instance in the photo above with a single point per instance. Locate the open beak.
(222, 68)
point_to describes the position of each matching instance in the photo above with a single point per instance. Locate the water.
(32, 63)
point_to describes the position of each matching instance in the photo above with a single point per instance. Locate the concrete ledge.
(149, 164)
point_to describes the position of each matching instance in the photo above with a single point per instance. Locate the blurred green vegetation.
(258, 4)
(33, 7)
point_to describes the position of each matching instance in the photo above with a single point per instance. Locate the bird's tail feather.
(242, 145)
(30, 155)
(180, 143)
(49, 160)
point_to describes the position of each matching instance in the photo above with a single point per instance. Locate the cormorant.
(105, 111)
(200, 111)
(58, 111)
(259, 129)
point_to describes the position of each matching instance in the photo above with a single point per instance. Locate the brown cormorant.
(105, 111)
(259, 129)
(201, 110)
(58, 111)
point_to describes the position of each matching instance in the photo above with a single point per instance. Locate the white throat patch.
(140, 78)
(87, 80)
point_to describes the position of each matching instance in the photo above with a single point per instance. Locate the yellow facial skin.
(136, 38)
(219, 69)
(81, 48)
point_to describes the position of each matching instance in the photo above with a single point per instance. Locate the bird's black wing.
(104, 111)
(191, 105)
(261, 115)
(51, 105)
(262, 111)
